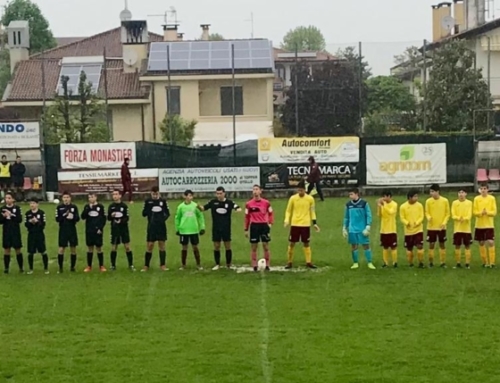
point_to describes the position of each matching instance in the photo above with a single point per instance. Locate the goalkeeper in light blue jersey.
(356, 228)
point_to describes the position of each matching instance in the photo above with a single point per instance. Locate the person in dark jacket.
(314, 178)
(17, 172)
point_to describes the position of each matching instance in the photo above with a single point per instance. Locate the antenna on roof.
(448, 23)
(251, 22)
(126, 15)
(171, 14)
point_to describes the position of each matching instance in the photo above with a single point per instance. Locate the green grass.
(335, 325)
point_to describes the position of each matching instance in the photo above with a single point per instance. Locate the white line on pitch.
(150, 299)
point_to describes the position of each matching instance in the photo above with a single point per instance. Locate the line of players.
(189, 224)
(437, 213)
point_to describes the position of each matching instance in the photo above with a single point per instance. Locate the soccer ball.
(56, 201)
(261, 264)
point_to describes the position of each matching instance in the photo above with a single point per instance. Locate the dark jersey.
(38, 226)
(14, 220)
(94, 217)
(118, 214)
(156, 211)
(63, 212)
(221, 212)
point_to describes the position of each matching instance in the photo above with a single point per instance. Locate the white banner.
(97, 156)
(405, 164)
(208, 179)
(19, 135)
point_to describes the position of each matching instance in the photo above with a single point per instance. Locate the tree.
(387, 93)
(328, 100)
(455, 90)
(304, 39)
(4, 70)
(76, 118)
(410, 55)
(177, 130)
(41, 37)
(350, 55)
(216, 37)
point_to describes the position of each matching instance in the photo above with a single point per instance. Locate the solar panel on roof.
(211, 55)
(92, 71)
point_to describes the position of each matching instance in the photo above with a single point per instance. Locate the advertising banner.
(97, 156)
(19, 135)
(208, 179)
(288, 176)
(298, 150)
(104, 181)
(405, 164)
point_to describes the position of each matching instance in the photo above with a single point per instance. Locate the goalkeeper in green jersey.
(189, 224)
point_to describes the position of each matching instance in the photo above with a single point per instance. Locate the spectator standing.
(126, 180)
(18, 170)
(4, 175)
(314, 178)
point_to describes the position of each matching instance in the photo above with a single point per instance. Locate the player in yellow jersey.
(300, 213)
(411, 214)
(461, 213)
(485, 210)
(437, 212)
(387, 209)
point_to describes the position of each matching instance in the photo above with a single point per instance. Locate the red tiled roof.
(67, 40)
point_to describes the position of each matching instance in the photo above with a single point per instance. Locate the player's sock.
(482, 252)
(163, 258)
(431, 256)
(147, 258)
(267, 257)
(492, 255)
(229, 257)
(6, 262)
(368, 255)
(113, 258)
(458, 256)
(355, 256)
(130, 258)
(60, 261)
(217, 257)
(468, 256)
(45, 260)
(197, 257)
(100, 258)
(420, 255)
(308, 254)
(385, 256)
(31, 258)
(90, 257)
(254, 258)
(73, 261)
(409, 256)
(20, 261)
(394, 255)
(442, 256)
(184, 255)
(290, 254)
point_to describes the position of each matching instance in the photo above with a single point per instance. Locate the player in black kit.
(94, 216)
(11, 218)
(118, 216)
(67, 216)
(157, 212)
(35, 220)
(221, 209)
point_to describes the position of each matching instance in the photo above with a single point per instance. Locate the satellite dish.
(129, 58)
(448, 23)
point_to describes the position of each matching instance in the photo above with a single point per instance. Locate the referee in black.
(118, 215)
(67, 216)
(11, 218)
(157, 212)
(221, 209)
(35, 220)
(94, 216)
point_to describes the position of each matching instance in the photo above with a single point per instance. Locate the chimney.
(439, 12)
(475, 13)
(436, 24)
(180, 36)
(459, 15)
(135, 41)
(18, 37)
(205, 32)
(170, 32)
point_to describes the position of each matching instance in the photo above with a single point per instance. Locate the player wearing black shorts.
(157, 212)
(95, 219)
(221, 210)
(67, 216)
(118, 215)
(11, 218)
(35, 220)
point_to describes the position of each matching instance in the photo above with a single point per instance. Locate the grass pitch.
(333, 325)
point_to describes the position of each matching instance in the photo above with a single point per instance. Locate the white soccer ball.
(56, 201)
(261, 264)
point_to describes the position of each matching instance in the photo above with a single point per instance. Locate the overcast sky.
(385, 27)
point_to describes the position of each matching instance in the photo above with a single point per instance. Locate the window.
(226, 100)
(175, 102)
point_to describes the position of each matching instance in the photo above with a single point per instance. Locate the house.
(465, 20)
(129, 64)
